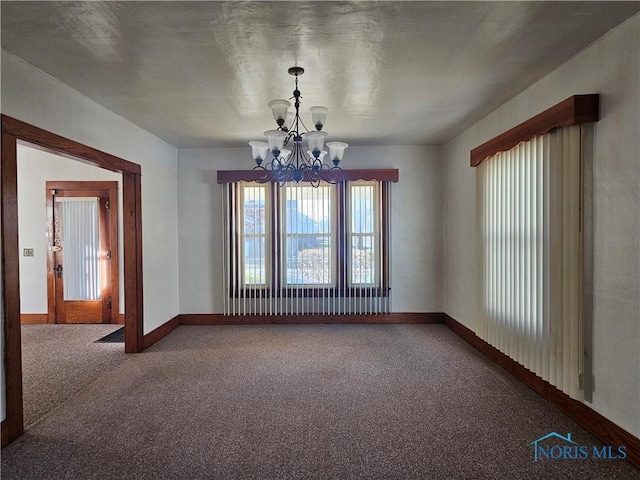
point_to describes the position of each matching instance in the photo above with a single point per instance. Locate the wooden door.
(83, 268)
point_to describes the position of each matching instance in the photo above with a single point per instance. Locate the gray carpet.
(58, 361)
(303, 402)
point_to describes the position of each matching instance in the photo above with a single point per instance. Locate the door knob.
(58, 270)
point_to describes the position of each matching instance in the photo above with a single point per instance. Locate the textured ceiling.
(200, 74)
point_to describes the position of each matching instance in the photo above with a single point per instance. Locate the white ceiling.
(200, 74)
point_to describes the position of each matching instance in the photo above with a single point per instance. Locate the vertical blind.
(296, 249)
(530, 250)
(79, 223)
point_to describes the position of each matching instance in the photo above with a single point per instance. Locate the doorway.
(14, 131)
(82, 252)
(59, 356)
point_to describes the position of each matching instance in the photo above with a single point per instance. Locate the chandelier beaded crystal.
(297, 163)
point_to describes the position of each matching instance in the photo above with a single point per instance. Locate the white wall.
(36, 98)
(416, 218)
(611, 68)
(35, 168)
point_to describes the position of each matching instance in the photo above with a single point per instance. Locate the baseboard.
(5, 434)
(220, 319)
(38, 318)
(595, 423)
(33, 318)
(601, 427)
(378, 318)
(158, 333)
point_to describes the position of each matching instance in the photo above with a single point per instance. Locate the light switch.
(28, 252)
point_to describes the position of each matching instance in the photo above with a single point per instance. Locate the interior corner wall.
(33, 97)
(611, 68)
(35, 168)
(416, 223)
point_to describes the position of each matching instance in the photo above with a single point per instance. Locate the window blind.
(296, 249)
(530, 250)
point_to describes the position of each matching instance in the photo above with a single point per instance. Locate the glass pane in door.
(79, 223)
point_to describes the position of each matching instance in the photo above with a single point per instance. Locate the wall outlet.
(28, 252)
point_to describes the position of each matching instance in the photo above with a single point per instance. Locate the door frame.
(112, 188)
(14, 131)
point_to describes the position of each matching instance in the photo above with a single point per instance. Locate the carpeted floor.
(58, 361)
(303, 402)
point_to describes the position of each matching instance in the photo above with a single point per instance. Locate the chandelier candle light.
(297, 164)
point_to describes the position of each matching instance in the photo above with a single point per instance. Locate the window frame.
(282, 205)
(342, 286)
(376, 233)
(267, 235)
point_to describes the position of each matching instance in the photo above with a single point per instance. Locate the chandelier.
(297, 163)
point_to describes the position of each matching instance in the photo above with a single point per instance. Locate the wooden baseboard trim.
(379, 318)
(601, 427)
(5, 434)
(39, 318)
(162, 331)
(33, 318)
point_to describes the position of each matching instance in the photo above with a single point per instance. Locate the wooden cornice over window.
(383, 175)
(572, 111)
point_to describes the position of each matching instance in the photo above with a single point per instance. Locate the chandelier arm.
(298, 165)
(336, 174)
(300, 159)
(283, 174)
(290, 135)
(281, 178)
(309, 174)
(305, 127)
(260, 174)
(321, 173)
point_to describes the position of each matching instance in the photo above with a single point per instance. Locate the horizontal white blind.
(530, 247)
(282, 249)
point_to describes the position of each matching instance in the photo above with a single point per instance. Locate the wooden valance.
(572, 111)
(384, 175)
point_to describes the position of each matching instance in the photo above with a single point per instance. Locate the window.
(309, 234)
(254, 234)
(529, 218)
(364, 235)
(300, 249)
(530, 193)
